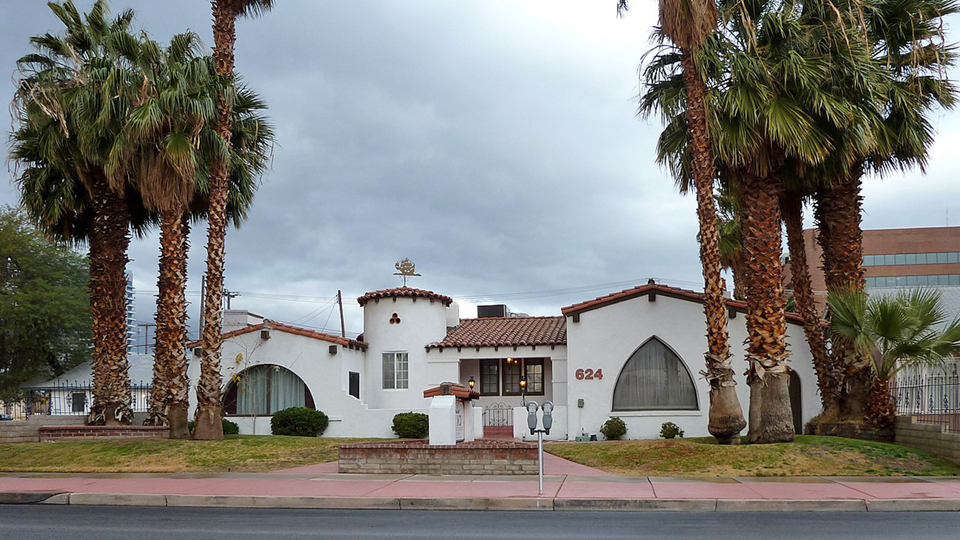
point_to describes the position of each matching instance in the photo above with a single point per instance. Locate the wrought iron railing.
(63, 398)
(931, 398)
(497, 415)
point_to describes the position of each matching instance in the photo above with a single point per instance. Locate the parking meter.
(547, 416)
(532, 407)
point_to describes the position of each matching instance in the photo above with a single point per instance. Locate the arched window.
(264, 390)
(654, 378)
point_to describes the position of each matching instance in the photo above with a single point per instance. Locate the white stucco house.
(635, 354)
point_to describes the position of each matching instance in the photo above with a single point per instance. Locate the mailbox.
(547, 416)
(532, 407)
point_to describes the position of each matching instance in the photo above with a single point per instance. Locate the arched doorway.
(265, 389)
(796, 403)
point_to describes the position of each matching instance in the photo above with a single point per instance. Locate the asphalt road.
(108, 523)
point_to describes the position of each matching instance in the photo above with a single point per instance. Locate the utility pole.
(203, 296)
(343, 329)
(229, 295)
(146, 336)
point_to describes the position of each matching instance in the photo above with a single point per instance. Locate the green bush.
(299, 422)
(669, 430)
(614, 428)
(229, 428)
(411, 425)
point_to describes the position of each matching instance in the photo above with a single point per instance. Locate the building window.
(940, 280)
(654, 378)
(264, 390)
(901, 259)
(355, 384)
(490, 377)
(78, 402)
(395, 374)
(531, 367)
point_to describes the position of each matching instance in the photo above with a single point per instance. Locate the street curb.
(635, 505)
(27, 497)
(514, 503)
(476, 504)
(791, 505)
(914, 505)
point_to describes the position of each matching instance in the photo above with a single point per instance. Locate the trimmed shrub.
(614, 428)
(299, 422)
(411, 425)
(669, 430)
(229, 428)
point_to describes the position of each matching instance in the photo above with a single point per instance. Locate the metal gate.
(498, 421)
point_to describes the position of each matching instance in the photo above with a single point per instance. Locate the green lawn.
(807, 456)
(235, 453)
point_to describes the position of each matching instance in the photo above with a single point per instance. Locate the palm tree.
(895, 332)
(731, 236)
(791, 209)
(907, 42)
(67, 118)
(209, 409)
(688, 24)
(164, 137)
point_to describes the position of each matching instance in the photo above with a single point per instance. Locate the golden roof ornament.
(406, 269)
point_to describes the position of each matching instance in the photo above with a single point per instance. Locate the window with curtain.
(265, 389)
(654, 378)
(533, 367)
(395, 370)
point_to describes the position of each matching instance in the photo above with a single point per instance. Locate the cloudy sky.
(493, 142)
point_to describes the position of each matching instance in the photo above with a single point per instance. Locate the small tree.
(44, 305)
(906, 329)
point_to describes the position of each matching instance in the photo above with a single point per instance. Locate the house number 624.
(588, 374)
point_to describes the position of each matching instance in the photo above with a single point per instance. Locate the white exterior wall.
(606, 337)
(422, 321)
(326, 376)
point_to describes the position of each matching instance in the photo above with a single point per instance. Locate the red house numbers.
(588, 374)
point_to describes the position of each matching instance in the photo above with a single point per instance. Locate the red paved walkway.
(565, 480)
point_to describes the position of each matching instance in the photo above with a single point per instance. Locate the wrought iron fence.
(930, 398)
(66, 398)
(497, 415)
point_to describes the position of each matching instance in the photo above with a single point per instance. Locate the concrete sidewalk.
(567, 486)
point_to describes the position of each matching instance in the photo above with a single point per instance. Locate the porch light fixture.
(509, 360)
(471, 383)
(523, 382)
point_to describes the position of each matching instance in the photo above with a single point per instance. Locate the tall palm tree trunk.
(109, 240)
(725, 416)
(792, 210)
(769, 378)
(170, 352)
(209, 407)
(179, 381)
(839, 210)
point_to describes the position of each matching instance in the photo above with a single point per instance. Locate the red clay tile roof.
(404, 292)
(672, 292)
(290, 330)
(505, 332)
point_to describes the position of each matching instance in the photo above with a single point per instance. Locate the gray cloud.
(492, 142)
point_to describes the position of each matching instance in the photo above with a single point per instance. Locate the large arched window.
(264, 390)
(654, 378)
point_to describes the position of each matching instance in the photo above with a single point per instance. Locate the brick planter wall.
(418, 457)
(66, 433)
(929, 437)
